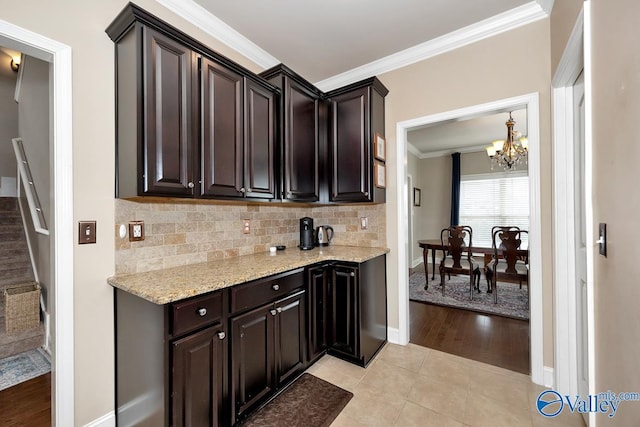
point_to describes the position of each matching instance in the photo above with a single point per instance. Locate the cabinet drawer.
(262, 291)
(197, 312)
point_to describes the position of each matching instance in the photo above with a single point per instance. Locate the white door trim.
(564, 289)
(59, 55)
(531, 101)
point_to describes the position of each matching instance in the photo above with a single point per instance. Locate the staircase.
(15, 268)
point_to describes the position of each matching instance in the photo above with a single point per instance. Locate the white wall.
(8, 117)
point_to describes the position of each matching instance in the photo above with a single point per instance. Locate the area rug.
(308, 402)
(512, 301)
(22, 367)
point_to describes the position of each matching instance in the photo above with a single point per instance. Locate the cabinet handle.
(222, 335)
(273, 312)
(275, 287)
(352, 274)
(243, 190)
(190, 185)
(279, 309)
(202, 312)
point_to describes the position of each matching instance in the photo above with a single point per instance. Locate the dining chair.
(456, 255)
(510, 261)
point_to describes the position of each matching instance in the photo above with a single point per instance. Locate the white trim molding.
(215, 27)
(535, 228)
(548, 377)
(59, 55)
(107, 420)
(503, 22)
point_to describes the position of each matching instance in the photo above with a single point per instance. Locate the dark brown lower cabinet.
(343, 310)
(267, 351)
(317, 288)
(198, 378)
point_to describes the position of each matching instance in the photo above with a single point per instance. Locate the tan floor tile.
(373, 407)
(564, 419)
(415, 415)
(409, 356)
(442, 396)
(513, 374)
(343, 420)
(489, 411)
(387, 378)
(446, 367)
(506, 389)
(338, 372)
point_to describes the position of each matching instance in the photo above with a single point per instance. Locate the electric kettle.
(324, 234)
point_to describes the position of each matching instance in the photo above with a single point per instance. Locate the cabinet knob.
(279, 309)
(202, 312)
(275, 287)
(273, 312)
(243, 190)
(366, 194)
(352, 274)
(222, 335)
(190, 185)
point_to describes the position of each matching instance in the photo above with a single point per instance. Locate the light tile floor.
(417, 386)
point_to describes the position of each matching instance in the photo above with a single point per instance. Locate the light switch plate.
(86, 232)
(602, 241)
(136, 231)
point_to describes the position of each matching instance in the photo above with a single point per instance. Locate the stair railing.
(25, 177)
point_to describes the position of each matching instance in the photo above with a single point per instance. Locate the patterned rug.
(512, 301)
(22, 367)
(308, 402)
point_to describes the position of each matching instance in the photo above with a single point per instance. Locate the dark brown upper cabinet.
(300, 128)
(357, 115)
(190, 122)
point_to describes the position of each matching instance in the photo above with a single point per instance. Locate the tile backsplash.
(181, 233)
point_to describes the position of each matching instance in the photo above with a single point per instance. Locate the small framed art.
(379, 147)
(416, 196)
(379, 175)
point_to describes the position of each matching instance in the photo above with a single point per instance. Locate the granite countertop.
(174, 284)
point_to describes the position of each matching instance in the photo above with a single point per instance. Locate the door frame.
(531, 101)
(574, 60)
(59, 56)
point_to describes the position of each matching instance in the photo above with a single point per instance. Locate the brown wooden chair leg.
(442, 279)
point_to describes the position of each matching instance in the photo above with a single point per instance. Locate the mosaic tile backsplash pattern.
(187, 233)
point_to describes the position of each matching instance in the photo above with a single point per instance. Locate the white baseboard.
(416, 262)
(393, 335)
(548, 377)
(107, 420)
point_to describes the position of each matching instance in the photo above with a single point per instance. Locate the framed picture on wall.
(416, 196)
(379, 175)
(379, 147)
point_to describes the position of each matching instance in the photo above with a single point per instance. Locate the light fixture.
(511, 152)
(15, 63)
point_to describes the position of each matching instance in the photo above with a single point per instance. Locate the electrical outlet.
(364, 223)
(86, 232)
(246, 226)
(136, 231)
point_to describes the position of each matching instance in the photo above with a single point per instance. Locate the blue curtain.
(455, 189)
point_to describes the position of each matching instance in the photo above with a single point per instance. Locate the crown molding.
(215, 27)
(510, 20)
(440, 153)
(546, 5)
(413, 150)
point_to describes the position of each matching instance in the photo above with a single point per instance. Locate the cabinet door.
(350, 148)
(301, 143)
(317, 280)
(343, 313)
(197, 376)
(290, 336)
(251, 358)
(221, 130)
(259, 149)
(168, 145)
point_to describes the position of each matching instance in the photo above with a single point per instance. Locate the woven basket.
(22, 307)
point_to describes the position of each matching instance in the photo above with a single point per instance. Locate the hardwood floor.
(27, 404)
(496, 340)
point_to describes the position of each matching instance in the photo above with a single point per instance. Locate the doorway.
(61, 227)
(531, 102)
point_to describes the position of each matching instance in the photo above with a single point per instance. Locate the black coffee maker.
(306, 233)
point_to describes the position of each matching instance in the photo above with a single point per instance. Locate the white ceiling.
(463, 135)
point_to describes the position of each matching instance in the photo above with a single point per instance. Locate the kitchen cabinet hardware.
(202, 312)
(275, 287)
(191, 185)
(222, 335)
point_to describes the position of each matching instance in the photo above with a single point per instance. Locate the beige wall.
(563, 18)
(468, 76)
(186, 233)
(8, 116)
(616, 107)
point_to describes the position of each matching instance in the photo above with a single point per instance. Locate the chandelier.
(508, 154)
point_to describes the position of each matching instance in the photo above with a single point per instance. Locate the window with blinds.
(488, 200)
